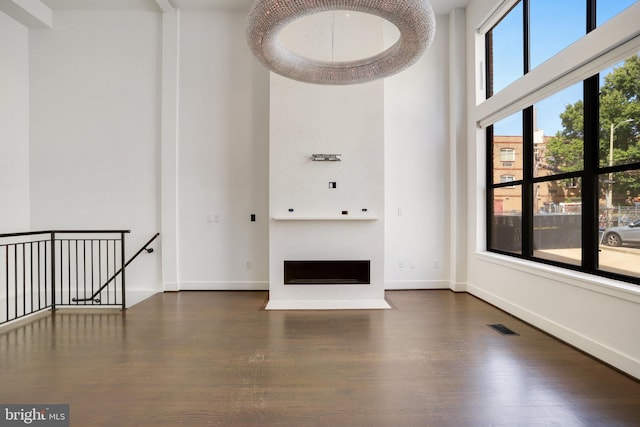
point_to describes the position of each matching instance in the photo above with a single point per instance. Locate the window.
(550, 30)
(506, 191)
(507, 154)
(506, 218)
(535, 30)
(557, 221)
(573, 193)
(504, 51)
(608, 9)
(619, 166)
(507, 148)
(558, 122)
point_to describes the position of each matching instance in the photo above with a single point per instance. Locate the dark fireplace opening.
(324, 272)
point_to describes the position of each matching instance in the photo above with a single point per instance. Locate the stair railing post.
(122, 264)
(53, 271)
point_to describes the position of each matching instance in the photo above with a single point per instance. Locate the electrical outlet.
(248, 265)
(400, 264)
(436, 263)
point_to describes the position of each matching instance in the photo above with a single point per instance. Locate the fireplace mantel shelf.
(325, 218)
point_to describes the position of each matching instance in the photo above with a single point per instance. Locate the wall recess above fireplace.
(327, 272)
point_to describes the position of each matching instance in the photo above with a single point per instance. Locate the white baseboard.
(24, 320)
(599, 350)
(224, 286)
(171, 286)
(137, 296)
(327, 305)
(458, 287)
(396, 285)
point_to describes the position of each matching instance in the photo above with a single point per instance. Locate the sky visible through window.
(548, 37)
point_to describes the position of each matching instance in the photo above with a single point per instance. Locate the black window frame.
(589, 175)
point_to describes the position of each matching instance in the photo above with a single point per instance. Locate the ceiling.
(440, 7)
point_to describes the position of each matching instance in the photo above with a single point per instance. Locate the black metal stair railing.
(62, 268)
(94, 296)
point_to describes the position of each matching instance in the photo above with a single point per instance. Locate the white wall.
(458, 156)
(222, 167)
(222, 156)
(103, 68)
(223, 119)
(14, 126)
(597, 315)
(95, 128)
(416, 144)
(347, 120)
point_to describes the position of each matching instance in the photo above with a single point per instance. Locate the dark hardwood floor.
(217, 358)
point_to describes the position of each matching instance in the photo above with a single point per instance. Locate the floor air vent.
(502, 329)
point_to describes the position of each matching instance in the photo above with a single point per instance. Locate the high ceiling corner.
(440, 7)
(33, 14)
(149, 5)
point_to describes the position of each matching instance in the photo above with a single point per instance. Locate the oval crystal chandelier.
(414, 19)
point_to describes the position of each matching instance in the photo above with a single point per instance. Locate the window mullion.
(591, 15)
(590, 194)
(488, 60)
(526, 36)
(489, 186)
(527, 182)
(527, 143)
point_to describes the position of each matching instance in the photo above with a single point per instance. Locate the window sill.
(602, 285)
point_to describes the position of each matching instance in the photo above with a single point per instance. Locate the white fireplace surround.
(327, 210)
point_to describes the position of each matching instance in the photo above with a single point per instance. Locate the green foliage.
(564, 150)
(620, 109)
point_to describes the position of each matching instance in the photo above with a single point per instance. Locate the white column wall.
(346, 120)
(95, 129)
(417, 178)
(222, 156)
(170, 97)
(597, 315)
(458, 155)
(14, 127)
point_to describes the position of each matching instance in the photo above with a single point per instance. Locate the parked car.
(616, 236)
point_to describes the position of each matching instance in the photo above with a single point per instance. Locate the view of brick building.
(549, 197)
